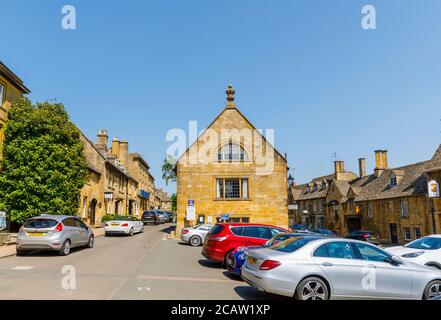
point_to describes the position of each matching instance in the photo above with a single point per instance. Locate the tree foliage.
(174, 198)
(168, 170)
(43, 166)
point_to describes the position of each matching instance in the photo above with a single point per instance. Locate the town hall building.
(231, 173)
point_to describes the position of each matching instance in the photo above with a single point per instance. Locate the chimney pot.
(362, 167)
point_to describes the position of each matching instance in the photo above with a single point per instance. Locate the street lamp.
(291, 180)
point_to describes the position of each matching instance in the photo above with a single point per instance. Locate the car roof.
(248, 225)
(52, 217)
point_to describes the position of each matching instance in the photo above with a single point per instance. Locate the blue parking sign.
(191, 203)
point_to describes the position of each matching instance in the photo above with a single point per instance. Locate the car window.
(237, 231)
(371, 253)
(292, 244)
(340, 250)
(322, 251)
(69, 222)
(275, 231)
(426, 243)
(78, 223)
(40, 223)
(216, 229)
(257, 232)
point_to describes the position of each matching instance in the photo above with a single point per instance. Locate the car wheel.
(433, 290)
(195, 241)
(107, 234)
(20, 253)
(131, 232)
(65, 248)
(91, 242)
(312, 288)
(142, 229)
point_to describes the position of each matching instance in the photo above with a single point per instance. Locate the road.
(145, 266)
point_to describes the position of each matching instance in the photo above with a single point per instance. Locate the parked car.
(195, 236)
(236, 258)
(299, 228)
(324, 232)
(425, 251)
(163, 218)
(127, 225)
(223, 238)
(170, 216)
(53, 232)
(367, 236)
(317, 268)
(150, 217)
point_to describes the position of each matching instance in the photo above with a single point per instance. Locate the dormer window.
(2, 93)
(323, 185)
(315, 187)
(393, 182)
(308, 189)
(232, 152)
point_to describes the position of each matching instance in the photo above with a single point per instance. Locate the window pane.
(219, 188)
(245, 188)
(321, 252)
(371, 253)
(341, 250)
(232, 188)
(235, 152)
(257, 232)
(1, 93)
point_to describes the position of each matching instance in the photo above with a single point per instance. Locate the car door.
(255, 235)
(83, 234)
(384, 279)
(339, 262)
(71, 231)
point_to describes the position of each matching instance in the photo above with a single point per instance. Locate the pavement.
(149, 266)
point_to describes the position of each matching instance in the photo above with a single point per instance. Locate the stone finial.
(230, 97)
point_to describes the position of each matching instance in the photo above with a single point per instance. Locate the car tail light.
(365, 236)
(125, 225)
(106, 225)
(269, 264)
(185, 231)
(59, 227)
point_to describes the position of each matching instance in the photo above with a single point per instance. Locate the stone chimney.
(115, 146)
(102, 140)
(362, 167)
(124, 153)
(339, 169)
(230, 97)
(381, 162)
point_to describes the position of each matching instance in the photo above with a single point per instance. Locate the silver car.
(313, 268)
(195, 235)
(53, 232)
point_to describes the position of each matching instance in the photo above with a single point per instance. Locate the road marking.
(144, 289)
(164, 237)
(185, 279)
(23, 268)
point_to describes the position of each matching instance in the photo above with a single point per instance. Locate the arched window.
(232, 152)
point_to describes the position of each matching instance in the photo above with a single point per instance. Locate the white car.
(317, 268)
(195, 235)
(127, 225)
(425, 251)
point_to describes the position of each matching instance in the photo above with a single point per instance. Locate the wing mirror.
(394, 260)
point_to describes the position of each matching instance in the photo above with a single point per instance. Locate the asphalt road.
(145, 266)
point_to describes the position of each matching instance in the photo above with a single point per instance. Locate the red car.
(225, 237)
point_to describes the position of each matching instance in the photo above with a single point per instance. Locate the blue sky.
(305, 68)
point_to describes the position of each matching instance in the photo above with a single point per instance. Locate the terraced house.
(391, 202)
(237, 176)
(11, 89)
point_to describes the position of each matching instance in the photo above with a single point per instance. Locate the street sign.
(191, 203)
(210, 219)
(191, 213)
(293, 207)
(108, 195)
(225, 217)
(2, 220)
(433, 189)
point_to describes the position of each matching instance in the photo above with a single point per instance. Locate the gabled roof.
(13, 78)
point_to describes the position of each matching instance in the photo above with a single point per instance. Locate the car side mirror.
(394, 260)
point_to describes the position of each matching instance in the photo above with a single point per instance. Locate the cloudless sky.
(305, 68)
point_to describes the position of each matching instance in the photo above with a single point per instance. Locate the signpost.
(191, 213)
(190, 203)
(433, 192)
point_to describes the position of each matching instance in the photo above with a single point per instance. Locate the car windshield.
(292, 244)
(426, 243)
(40, 223)
(299, 227)
(216, 229)
(325, 232)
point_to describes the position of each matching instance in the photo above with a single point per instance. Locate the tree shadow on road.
(168, 229)
(209, 264)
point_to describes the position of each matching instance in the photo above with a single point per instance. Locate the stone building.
(310, 198)
(391, 202)
(165, 200)
(231, 170)
(116, 180)
(11, 89)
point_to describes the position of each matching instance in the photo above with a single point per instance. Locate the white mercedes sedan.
(127, 225)
(317, 268)
(424, 251)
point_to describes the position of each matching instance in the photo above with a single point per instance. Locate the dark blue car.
(237, 257)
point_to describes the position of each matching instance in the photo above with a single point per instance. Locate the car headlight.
(413, 254)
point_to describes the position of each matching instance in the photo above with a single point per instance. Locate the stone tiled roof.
(300, 192)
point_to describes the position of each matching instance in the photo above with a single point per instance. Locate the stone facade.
(240, 186)
(11, 89)
(139, 169)
(165, 200)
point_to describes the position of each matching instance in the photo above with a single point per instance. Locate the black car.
(150, 217)
(367, 236)
(324, 232)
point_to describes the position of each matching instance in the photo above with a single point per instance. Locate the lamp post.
(433, 192)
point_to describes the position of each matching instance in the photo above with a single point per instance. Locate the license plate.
(252, 260)
(115, 224)
(36, 234)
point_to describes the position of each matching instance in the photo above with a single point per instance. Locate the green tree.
(43, 166)
(168, 169)
(174, 198)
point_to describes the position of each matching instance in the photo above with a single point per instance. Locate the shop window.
(232, 188)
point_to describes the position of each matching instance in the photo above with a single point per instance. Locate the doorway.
(354, 224)
(92, 212)
(393, 233)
